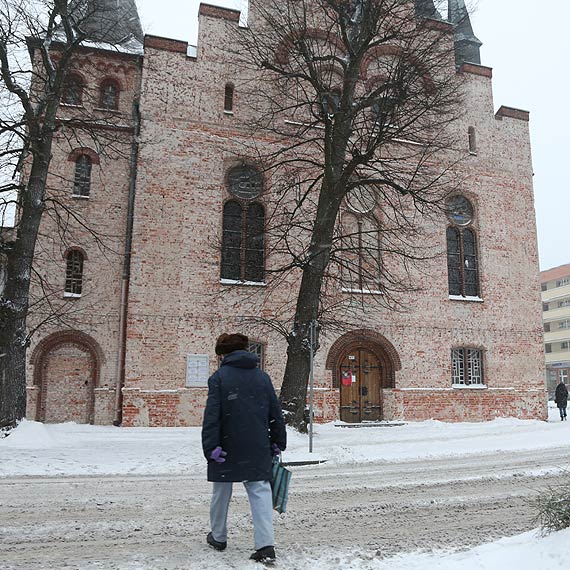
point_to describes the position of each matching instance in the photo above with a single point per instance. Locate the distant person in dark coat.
(243, 428)
(561, 398)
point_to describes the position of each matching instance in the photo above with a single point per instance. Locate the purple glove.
(275, 450)
(218, 455)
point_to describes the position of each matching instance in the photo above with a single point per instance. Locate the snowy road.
(381, 508)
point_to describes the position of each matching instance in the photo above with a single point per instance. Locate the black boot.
(214, 543)
(266, 555)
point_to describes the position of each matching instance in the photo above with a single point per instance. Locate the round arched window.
(361, 199)
(245, 182)
(459, 210)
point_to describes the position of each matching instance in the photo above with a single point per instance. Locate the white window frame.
(197, 370)
(467, 367)
(258, 348)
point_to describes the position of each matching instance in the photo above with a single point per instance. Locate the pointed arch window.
(72, 93)
(74, 273)
(109, 95)
(243, 227)
(462, 259)
(82, 178)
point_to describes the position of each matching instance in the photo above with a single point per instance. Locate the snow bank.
(29, 435)
(527, 551)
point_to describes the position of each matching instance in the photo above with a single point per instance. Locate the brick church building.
(141, 301)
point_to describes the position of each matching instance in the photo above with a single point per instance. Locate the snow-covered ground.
(70, 450)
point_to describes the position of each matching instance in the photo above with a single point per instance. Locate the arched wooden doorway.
(66, 371)
(363, 363)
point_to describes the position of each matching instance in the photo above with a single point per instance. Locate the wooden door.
(360, 387)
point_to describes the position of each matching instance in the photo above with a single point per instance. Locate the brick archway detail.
(50, 343)
(370, 339)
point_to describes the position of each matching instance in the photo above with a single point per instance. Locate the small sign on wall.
(197, 370)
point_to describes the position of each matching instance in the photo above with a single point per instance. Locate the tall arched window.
(82, 179)
(109, 95)
(360, 242)
(229, 98)
(72, 93)
(472, 140)
(243, 227)
(232, 240)
(74, 273)
(462, 262)
(254, 267)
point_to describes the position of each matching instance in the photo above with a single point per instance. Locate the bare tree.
(38, 41)
(362, 97)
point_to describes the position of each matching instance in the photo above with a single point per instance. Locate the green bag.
(280, 479)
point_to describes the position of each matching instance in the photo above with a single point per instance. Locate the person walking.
(243, 428)
(561, 398)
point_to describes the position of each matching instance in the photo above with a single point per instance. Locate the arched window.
(360, 242)
(254, 269)
(72, 93)
(472, 140)
(82, 179)
(462, 262)
(74, 273)
(232, 240)
(243, 227)
(330, 102)
(109, 95)
(229, 98)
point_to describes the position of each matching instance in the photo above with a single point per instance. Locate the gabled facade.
(468, 347)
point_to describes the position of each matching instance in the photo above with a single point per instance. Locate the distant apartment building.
(555, 285)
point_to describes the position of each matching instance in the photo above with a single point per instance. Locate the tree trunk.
(12, 374)
(294, 388)
(14, 302)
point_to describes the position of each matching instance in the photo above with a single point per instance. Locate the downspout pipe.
(125, 281)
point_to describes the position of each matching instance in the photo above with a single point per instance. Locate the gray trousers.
(261, 504)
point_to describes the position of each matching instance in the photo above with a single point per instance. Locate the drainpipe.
(122, 349)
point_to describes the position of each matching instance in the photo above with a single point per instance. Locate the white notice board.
(197, 370)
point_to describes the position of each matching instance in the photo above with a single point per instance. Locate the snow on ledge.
(241, 282)
(363, 291)
(466, 298)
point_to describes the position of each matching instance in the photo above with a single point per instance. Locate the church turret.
(427, 9)
(111, 21)
(467, 46)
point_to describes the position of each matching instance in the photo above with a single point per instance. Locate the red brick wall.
(178, 305)
(96, 313)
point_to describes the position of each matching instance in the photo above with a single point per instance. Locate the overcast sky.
(525, 42)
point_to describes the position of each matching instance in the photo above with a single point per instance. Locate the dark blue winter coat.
(561, 395)
(243, 416)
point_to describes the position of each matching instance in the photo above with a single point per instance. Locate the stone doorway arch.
(363, 364)
(67, 367)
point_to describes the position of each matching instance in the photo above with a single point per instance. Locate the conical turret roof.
(427, 9)
(114, 22)
(467, 45)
